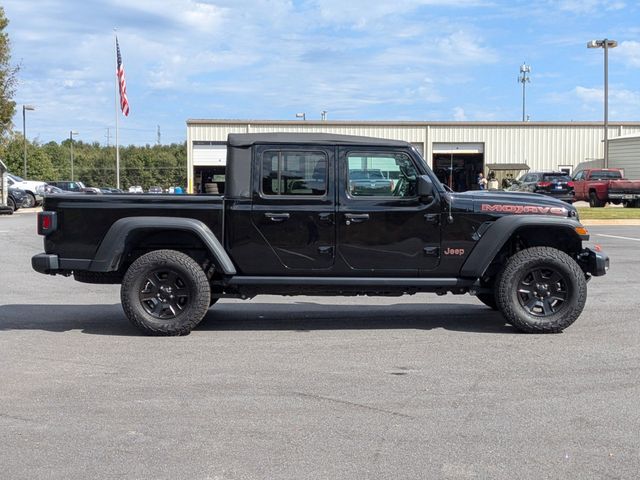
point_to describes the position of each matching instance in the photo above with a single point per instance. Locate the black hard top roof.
(248, 139)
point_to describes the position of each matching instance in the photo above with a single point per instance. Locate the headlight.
(41, 189)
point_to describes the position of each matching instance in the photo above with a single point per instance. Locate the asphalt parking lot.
(315, 388)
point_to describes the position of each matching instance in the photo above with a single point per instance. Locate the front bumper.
(594, 263)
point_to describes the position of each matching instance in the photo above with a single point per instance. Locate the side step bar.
(353, 281)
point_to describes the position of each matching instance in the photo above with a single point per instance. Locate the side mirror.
(425, 186)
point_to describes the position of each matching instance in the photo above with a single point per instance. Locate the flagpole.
(116, 110)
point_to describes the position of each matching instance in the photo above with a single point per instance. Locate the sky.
(423, 60)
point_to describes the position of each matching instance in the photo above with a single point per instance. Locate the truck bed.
(87, 218)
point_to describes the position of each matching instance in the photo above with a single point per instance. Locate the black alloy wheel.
(165, 292)
(543, 291)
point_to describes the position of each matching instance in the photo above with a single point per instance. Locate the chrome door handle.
(277, 217)
(356, 217)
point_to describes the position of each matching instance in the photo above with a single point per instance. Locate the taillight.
(47, 222)
(543, 184)
(570, 184)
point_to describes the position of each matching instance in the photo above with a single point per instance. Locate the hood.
(517, 203)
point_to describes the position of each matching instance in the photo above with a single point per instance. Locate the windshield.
(556, 176)
(15, 178)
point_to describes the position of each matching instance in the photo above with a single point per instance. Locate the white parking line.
(616, 236)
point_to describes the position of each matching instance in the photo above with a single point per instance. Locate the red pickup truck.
(601, 185)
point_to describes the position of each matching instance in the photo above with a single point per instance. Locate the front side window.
(381, 175)
(294, 173)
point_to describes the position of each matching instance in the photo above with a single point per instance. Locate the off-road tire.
(103, 278)
(489, 299)
(194, 285)
(594, 201)
(515, 272)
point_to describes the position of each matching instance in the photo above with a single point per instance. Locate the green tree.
(8, 79)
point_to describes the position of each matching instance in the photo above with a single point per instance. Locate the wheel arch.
(534, 231)
(126, 234)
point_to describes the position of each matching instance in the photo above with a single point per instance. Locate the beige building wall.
(541, 145)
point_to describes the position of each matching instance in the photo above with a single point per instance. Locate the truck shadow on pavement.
(294, 316)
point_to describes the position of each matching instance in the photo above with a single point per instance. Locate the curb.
(594, 222)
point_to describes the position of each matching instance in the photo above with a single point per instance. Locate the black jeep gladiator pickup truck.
(289, 224)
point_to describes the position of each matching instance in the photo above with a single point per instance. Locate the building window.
(381, 175)
(294, 173)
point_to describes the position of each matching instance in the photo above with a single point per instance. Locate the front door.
(382, 224)
(293, 208)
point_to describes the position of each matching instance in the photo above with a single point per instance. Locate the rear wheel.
(165, 292)
(11, 204)
(594, 201)
(30, 201)
(630, 203)
(541, 290)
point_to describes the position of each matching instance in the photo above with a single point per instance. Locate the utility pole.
(108, 136)
(158, 140)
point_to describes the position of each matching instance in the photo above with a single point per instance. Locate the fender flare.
(499, 232)
(110, 251)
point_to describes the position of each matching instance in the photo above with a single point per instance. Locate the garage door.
(458, 148)
(209, 155)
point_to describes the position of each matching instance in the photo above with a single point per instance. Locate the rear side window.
(605, 175)
(294, 173)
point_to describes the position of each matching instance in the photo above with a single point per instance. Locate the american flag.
(122, 83)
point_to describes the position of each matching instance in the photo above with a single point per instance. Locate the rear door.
(385, 230)
(293, 208)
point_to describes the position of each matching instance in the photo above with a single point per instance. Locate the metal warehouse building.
(463, 147)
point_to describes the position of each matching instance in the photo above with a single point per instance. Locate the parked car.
(110, 190)
(69, 186)
(601, 185)
(136, 189)
(554, 184)
(32, 188)
(16, 198)
(155, 189)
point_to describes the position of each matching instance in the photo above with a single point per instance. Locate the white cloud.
(624, 104)
(459, 115)
(629, 50)
(589, 6)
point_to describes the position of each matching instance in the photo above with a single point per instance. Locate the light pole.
(606, 44)
(71, 134)
(24, 133)
(523, 78)
(302, 115)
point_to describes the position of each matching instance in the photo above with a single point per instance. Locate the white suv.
(34, 189)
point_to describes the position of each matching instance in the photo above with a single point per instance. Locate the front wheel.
(165, 292)
(11, 204)
(541, 290)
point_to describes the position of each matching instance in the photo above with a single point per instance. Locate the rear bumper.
(594, 263)
(624, 196)
(50, 264)
(45, 263)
